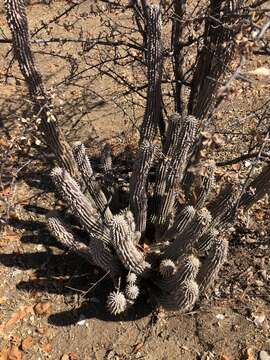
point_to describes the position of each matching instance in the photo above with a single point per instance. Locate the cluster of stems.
(187, 239)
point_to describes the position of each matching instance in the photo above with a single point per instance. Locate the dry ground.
(52, 303)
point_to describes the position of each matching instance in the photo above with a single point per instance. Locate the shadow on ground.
(59, 272)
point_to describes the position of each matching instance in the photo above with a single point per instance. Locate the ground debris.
(224, 357)
(42, 308)
(20, 314)
(46, 346)
(259, 319)
(70, 356)
(12, 353)
(250, 354)
(26, 343)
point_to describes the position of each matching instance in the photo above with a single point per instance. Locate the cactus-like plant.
(131, 278)
(167, 268)
(185, 240)
(132, 291)
(116, 302)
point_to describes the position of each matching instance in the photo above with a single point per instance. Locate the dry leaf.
(42, 308)
(220, 316)
(224, 357)
(3, 300)
(3, 355)
(73, 356)
(259, 214)
(4, 142)
(250, 354)
(70, 356)
(65, 357)
(138, 347)
(26, 343)
(261, 71)
(236, 167)
(264, 355)
(46, 346)
(218, 139)
(42, 329)
(259, 318)
(14, 353)
(82, 320)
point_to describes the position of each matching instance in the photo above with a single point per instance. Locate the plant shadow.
(56, 271)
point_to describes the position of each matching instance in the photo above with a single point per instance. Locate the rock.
(264, 355)
(220, 316)
(259, 319)
(82, 320)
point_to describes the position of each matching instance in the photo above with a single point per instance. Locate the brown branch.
(265, 156)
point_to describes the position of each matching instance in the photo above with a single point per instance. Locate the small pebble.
(220, 316)
(259, 319)
(264, 355)
(82, 320)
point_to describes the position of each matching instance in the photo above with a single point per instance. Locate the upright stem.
(154, 74)
(178, 58)
(151, 120)
(215, 55)
(47, 123)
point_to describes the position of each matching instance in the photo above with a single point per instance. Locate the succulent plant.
(131, 278)
(173, 238)
(116, 302)
(167, 268)
(132, 291)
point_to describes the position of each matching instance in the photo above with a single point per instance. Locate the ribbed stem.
(96, 252)
(80, 205)
(206, 240)
(106, 158)
(92, 185)
(189, 237)
(215, 55)
(206, 184)
(180, 138)
(182, 299)
(181, 221)
(152, 115)
(187, 270)
(138, 185)
(154, 62)
(180, 291)
(64, 235)
(47, 122)
(212, 264)
(122, 241)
